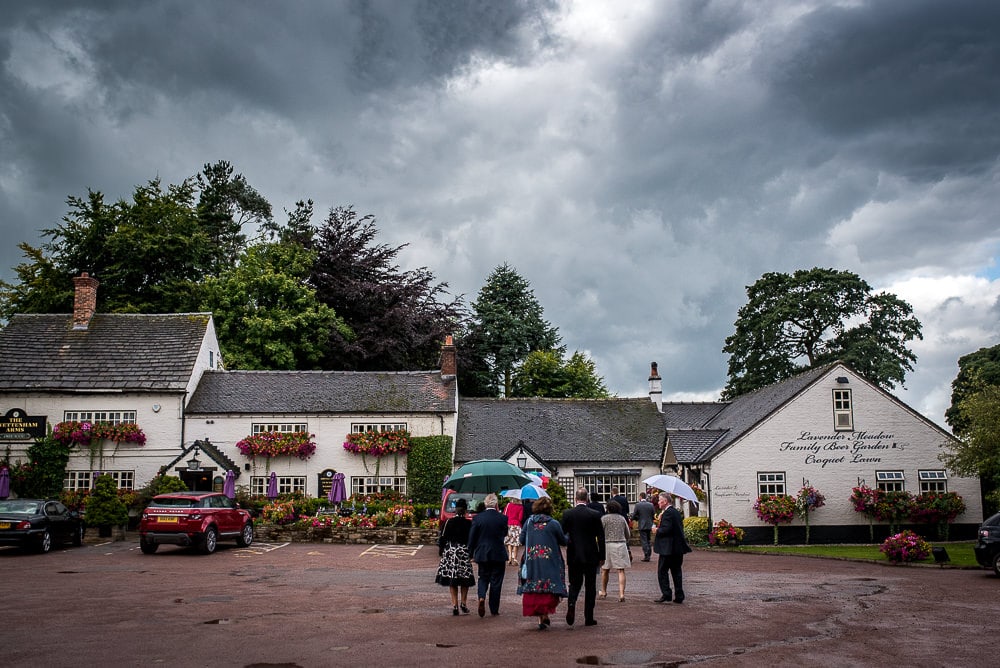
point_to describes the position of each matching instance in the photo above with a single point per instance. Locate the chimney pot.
(84, 300)
(449, 361)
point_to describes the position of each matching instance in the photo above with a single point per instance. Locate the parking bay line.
(258, 548)
(392, 551)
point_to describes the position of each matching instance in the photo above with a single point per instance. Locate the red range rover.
(200, 519)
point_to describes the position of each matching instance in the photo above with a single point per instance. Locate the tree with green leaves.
(42, 473)
(396, 320)
(150, 253)
(796, 322)
(507, 325)
(976, 371)
(977, 452)
(544, 373)
(266, 314)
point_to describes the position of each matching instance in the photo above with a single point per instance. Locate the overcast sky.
(640, 163)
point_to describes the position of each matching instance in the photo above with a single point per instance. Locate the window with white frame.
(568, 484)
(78, 480)
(890, 481)
(284, 428)
(843, 412)
(771, 483)
(362, 485)
(599, 485)
(114, 417)
(286, 484)
(365, 427)
(933, 481)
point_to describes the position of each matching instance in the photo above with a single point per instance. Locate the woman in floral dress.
(455, 568)
(545, 581)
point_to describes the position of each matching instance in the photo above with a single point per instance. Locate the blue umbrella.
(272, 486)
(229, 487)
(529, 491)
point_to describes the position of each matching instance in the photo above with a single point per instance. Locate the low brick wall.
(380, 536)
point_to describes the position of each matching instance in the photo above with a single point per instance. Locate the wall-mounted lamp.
(522, 459)
(194, 464)
(842, 380)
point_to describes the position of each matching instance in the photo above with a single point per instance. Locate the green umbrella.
(486, 475)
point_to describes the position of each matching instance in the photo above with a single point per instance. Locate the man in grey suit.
(671, 545)
(643, 514)
(486, 548)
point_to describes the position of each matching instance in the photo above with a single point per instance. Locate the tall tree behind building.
(794, 322)
(395, 319)
(507, 325)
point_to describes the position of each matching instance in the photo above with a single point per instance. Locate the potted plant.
(103, 508)
(775, 510)
(808, 500)
(905, 547)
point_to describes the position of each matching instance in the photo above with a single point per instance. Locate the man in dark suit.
(671, 546)
(584, 556)
(486, 548)
(643, 513)
(622, 501)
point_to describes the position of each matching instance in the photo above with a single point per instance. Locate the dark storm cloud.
(911, 86)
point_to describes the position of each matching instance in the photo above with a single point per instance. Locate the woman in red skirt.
(544, 569)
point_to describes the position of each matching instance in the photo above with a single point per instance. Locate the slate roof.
(241, 392)
(690, 415)
(597, 430)
(690, 444)
(743, 413)
(130, 352)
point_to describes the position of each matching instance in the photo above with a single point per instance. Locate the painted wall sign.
(17, 425)
(844, 447)
(325, 482)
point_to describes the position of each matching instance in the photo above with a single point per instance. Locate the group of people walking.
(595, 540)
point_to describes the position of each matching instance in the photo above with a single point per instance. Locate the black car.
(37, 524)
(987, 548)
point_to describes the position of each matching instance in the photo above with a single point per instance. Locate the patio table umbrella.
(529, 491)
(338, 491)
(272, 486)
(486, 475)
(229, 487)
(673, 485)
(4, 483)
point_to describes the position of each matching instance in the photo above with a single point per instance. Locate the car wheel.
(78, 536)
(148, 547)
(246, 536)
(996, 563)
(210, 541)
(44, 542)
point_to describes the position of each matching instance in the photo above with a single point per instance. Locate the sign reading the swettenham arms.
(17, 425)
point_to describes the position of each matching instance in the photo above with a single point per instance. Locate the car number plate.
(167, 520)
(4, 525)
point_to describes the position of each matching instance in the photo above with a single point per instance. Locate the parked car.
(987, 547)
(38, 524)
(199, 519)
(448, 504)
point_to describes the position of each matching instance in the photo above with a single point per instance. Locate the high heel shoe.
(602, 594)
(465, 610)
(621, 599)
(454, 611)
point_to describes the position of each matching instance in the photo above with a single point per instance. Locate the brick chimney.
(449, 361)
(655, 387)
(85, 300)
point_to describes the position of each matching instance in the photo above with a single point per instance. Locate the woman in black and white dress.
(455, 568)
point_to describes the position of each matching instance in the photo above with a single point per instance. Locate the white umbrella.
(673, 485)
(531, 491)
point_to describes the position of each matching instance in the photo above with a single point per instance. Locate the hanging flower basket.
(378, 444)
(278, 444)
(84, 433)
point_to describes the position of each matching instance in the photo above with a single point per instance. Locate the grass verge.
(960, 554)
